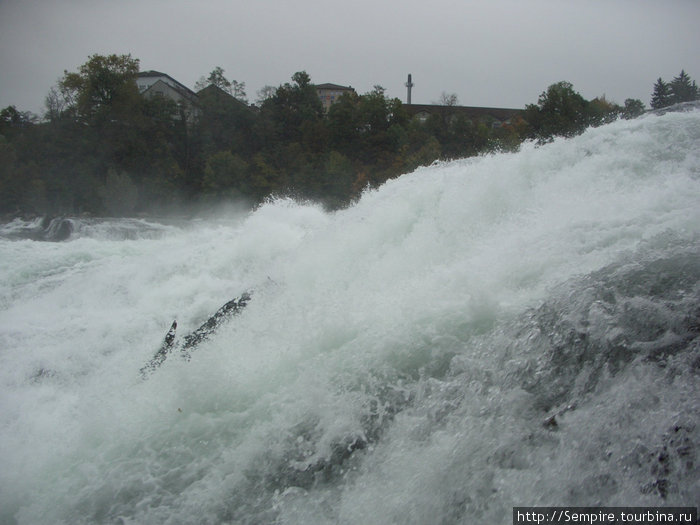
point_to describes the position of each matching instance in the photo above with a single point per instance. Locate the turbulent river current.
(517, 329)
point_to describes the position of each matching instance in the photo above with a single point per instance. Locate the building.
(215, 94)
(492, 116)
(330, 93)
(155, 83)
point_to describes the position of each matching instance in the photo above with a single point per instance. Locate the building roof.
(335, 87)
(215, 92)
(170, 81)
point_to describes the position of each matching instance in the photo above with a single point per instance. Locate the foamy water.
(399, 361)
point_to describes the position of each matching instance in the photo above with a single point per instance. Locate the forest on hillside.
(102, 148)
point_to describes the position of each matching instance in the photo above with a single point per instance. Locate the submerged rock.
(58, 229)
(46, 228)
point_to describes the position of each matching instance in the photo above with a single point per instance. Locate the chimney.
(409, 85)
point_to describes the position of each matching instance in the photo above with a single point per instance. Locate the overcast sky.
(501, 53)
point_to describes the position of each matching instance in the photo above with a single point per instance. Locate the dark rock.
(190, 341)
(550, 423)
(231, 308)
(59, 229)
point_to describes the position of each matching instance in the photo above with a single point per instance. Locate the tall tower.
(409, 85)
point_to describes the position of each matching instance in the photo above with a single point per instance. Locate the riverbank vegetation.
(103, 148)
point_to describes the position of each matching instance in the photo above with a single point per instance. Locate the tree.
(59, 102)
(344, 125)
(683, 89)
(448, 99)
(217, 78)
(238, 91)
(378, 120)
(101, 125)
(633, 108)
(339, 175)
(601, 111)
(225, 174)
(559, 111)
(292, 104)
(374, 111)
(10, 185)
(104, 84)
(661, 96)
(305, 97)
(12, 120)
(225, 123)
(265, 93)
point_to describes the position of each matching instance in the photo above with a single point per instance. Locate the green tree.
(683, 89)
(339, 175)
(13, 122)
(99, 125)
(425, 154)
(10, 188)
(379, 119)
(225, 175)
(601, 111)
(508, 136)
(560, 111)
(661, 96)
(102, 86)
(291, 106)
(343, 123)
(225, 123)
(633, 108)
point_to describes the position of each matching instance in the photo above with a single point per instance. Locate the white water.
(397, 360)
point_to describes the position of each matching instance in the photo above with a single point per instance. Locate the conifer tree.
(661, 96)
(682, 89)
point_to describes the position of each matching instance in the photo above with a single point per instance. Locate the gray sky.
(500, 53)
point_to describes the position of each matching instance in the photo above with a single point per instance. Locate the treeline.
(680, 89)
(561, 111)
(103, 148)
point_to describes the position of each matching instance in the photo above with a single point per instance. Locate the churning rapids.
(515, 329)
